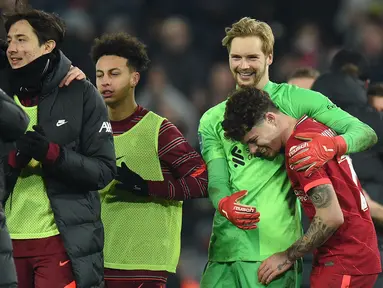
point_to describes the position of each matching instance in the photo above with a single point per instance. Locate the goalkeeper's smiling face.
(265, 138)
(248, 64)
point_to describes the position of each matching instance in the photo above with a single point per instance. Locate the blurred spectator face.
(220, 78)
(175, 34)
(114, 79)
(372, 39)
(303, 82)
(24, 46)
(157, 79)
(307, 39)
(248, 63)
(377, 102)
(119, 23)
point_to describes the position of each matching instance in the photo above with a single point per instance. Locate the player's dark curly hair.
(123, 45)
(245, 108)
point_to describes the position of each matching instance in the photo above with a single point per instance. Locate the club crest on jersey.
(238, 158)
(294, 149)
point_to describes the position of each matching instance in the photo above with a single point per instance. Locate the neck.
(288, 123)
(123, 109)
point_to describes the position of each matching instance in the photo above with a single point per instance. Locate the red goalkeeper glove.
(243, 216)
(317, 152)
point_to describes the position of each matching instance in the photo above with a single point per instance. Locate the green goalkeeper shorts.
(244, 275)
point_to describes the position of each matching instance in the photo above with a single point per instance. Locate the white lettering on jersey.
(106, 126)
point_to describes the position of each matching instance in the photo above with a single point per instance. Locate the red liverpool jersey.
(353, 248)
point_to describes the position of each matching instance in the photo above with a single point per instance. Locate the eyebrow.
(110, 70)
(18, 35)
(254, 138)
(248, 55)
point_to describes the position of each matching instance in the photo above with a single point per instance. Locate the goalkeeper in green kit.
(257, 215)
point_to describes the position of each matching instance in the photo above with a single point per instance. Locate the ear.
(49, 46)
(134, 79)
(269, 59)
(270, 118)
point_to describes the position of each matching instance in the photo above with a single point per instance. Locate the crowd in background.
(189, 70)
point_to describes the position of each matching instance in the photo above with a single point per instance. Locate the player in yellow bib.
(157, 170)
(52, 202)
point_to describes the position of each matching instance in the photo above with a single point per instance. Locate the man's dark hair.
(122, 45)
(351, 63)
(375, 89)
(245, 108)
(305, 72)
(47, 26)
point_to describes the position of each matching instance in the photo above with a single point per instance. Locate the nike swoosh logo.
(63, 263)
(58, 124)
(118, 158)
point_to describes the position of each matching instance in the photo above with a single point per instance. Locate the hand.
(16, 159)
(73, 74)
(243, 216)
(131, 181)
(317, 152)
(273, 266)
(35, 144)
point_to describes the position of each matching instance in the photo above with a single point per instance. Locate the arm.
(13, 120)
(372, 118)
(185, 175)
(215, 159)
(357, 135)
(227, 203)
(96, 166)
(328, 218)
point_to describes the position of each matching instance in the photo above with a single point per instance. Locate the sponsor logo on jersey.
(238, 158)
(301, 195)
(107, 126)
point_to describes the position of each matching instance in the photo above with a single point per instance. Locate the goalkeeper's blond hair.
(247, 27)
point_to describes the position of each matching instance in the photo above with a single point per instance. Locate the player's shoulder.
(282, 88)
(306, 125)
(282, 92)
(214, 114)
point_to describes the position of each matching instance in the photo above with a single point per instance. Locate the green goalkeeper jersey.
(231, 168)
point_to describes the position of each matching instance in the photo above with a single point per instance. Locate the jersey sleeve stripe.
(316, 183)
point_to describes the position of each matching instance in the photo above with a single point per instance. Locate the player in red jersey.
(341, 233)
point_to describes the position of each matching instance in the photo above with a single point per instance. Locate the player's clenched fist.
(243, 216)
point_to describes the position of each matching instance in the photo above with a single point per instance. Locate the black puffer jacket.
(13, 123)
(350, 95)
(75, 117)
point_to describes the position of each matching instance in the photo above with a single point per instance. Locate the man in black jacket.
(13, 123)
(52, 202)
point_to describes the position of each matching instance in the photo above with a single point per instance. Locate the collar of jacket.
(41, 76)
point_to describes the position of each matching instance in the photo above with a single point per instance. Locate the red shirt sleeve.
(299, 180)
(184, 171)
